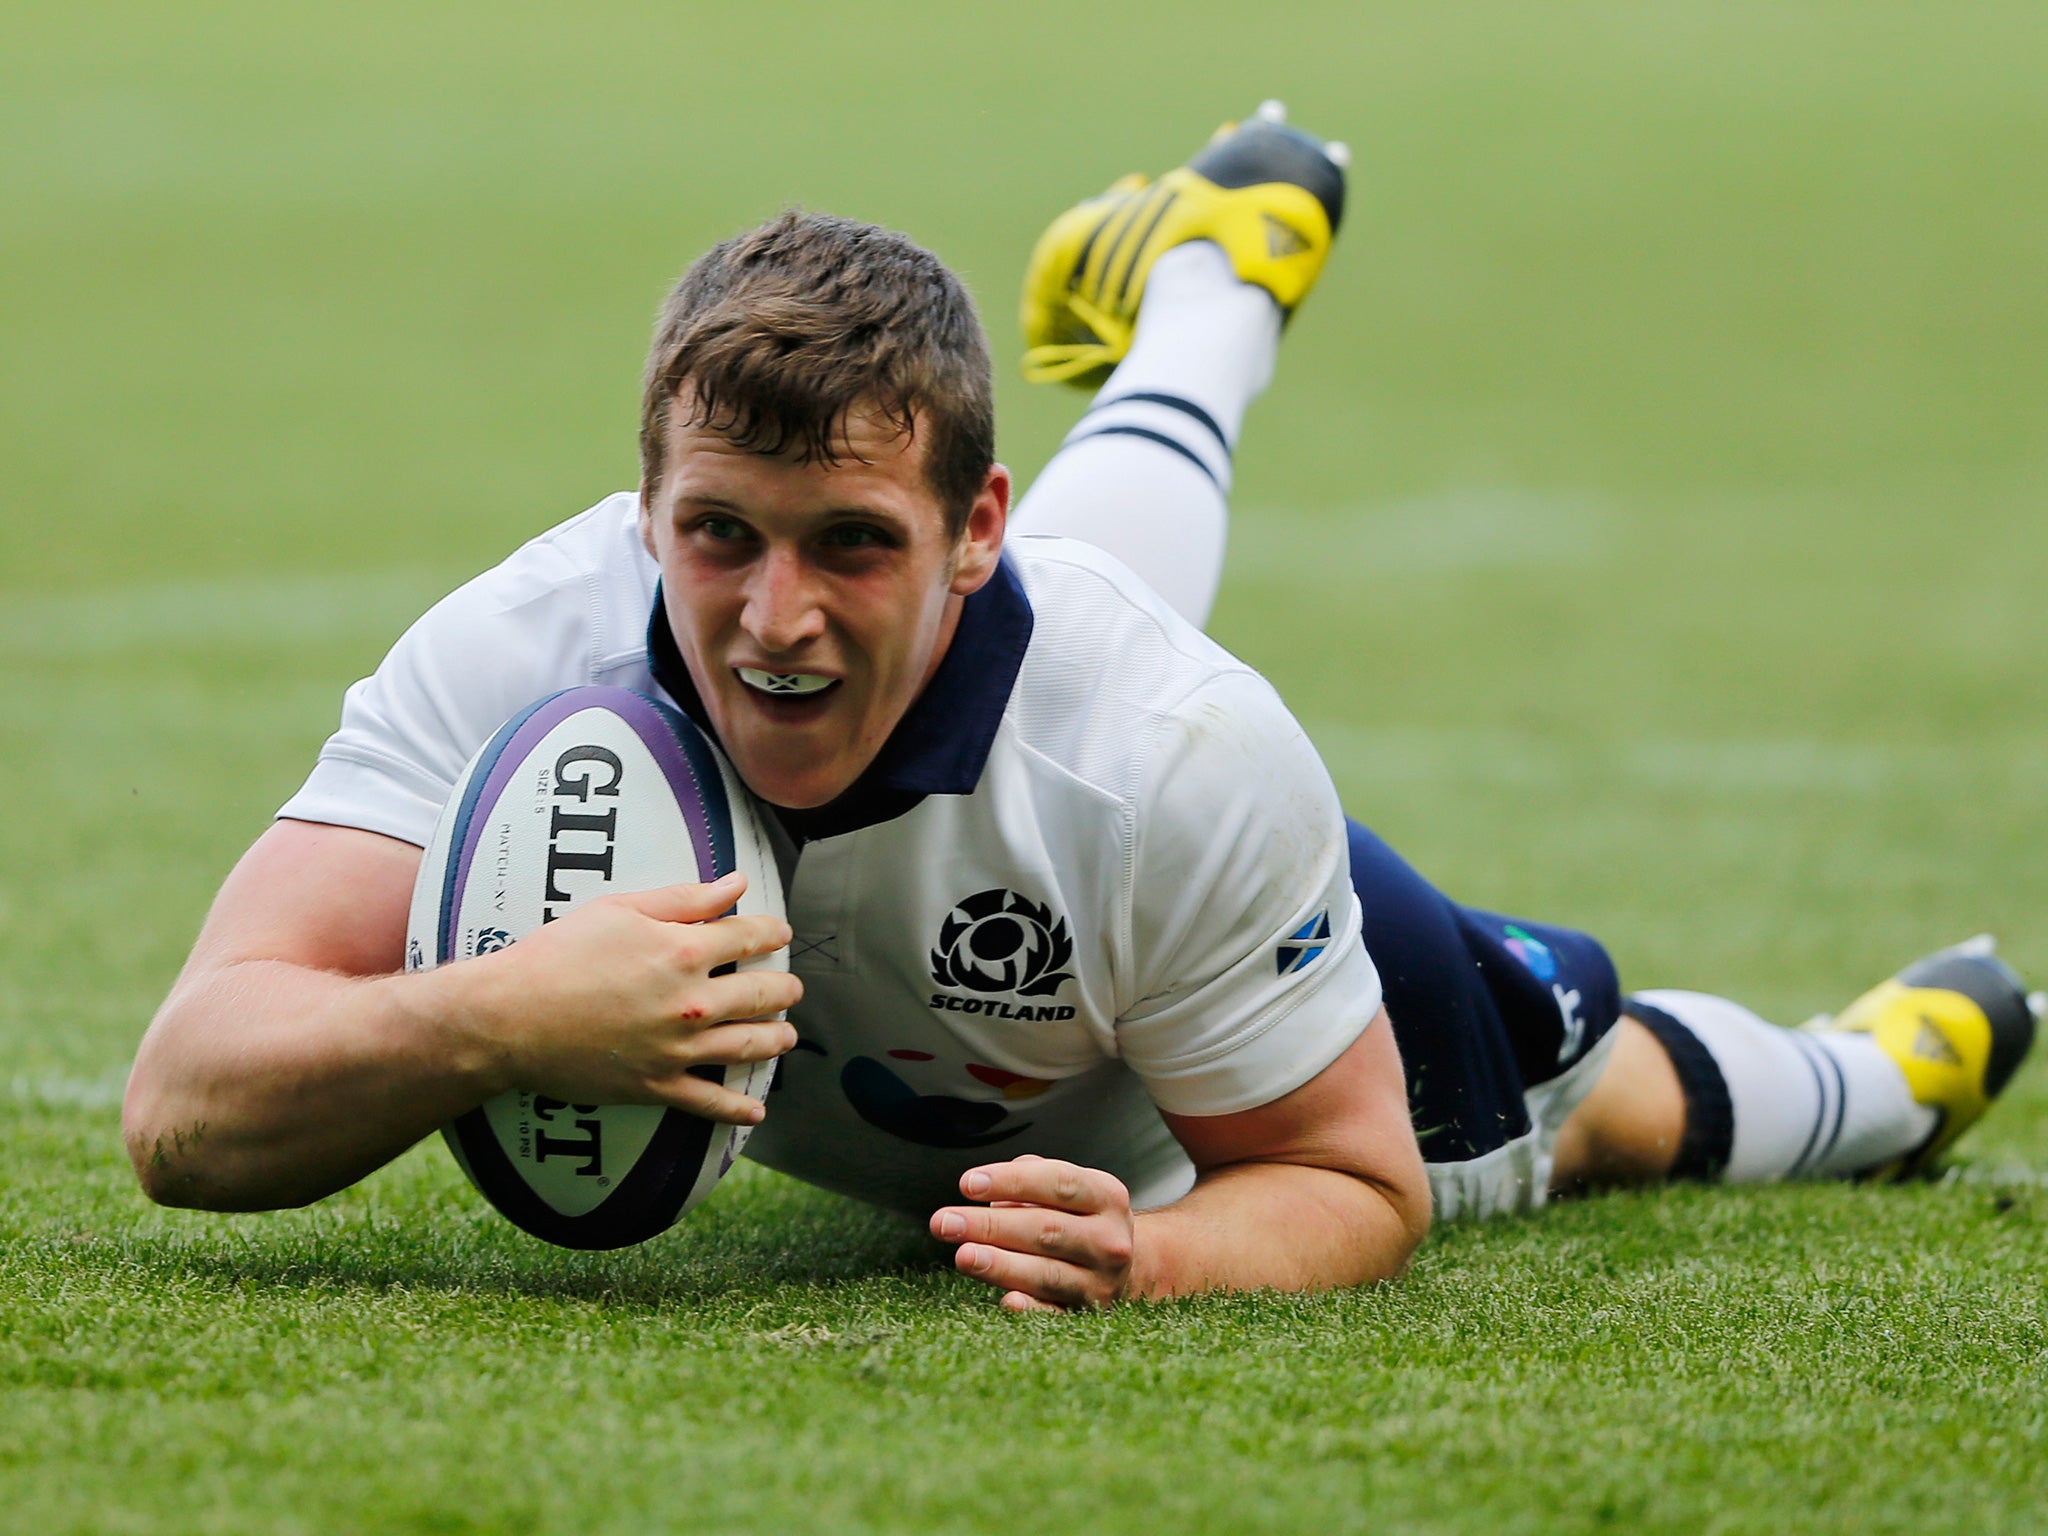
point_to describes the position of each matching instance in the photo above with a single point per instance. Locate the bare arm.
(289, 1060)
(1323, 1187)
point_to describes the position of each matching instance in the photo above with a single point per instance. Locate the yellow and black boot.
(1270, 195)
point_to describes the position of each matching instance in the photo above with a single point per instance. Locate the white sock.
(1145, 475)
(1805, 1104)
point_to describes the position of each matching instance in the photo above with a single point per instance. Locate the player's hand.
(615, 1003)
(1052, 1235)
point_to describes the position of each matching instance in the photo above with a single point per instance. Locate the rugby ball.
(591, 791)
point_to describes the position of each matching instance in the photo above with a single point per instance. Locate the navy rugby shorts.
(1503, 1025)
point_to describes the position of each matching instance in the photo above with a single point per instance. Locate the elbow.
(172, 1169)
(162, 1138)
(165, 1157)
(174, 1153)
(173, 1143)
(1414, 1210)
(1406, 1197)
(147, 1139)
(162, 1184)
(185, 1161)
(179, 1191)
(201, 1131)
(1414, 1206)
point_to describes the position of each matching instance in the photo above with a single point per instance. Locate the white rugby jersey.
(1098, 870)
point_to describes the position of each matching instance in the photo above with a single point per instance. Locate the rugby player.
(1090, 973)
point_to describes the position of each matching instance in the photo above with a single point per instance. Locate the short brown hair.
(783, 331)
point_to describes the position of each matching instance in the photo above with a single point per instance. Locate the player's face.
(812, 602)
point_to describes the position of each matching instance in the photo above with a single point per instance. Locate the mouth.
(785, 685)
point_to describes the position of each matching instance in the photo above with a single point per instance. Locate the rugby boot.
(1270, 195)
(1958, 1023)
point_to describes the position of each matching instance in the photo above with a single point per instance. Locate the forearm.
(1285, 1226)
(265, 1081)
(264, 1084)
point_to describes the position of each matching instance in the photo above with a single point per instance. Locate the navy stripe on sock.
(1841, 1103)
(1179, 403)
(1817, 1147)
(1709, 1138)
(1121, 429)
(1820, 1088)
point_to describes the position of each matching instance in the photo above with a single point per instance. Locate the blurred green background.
(1647, 519)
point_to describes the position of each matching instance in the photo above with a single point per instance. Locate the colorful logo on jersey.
(998, 941)
(1531, 951)
(890, 1104)
(1304, 946)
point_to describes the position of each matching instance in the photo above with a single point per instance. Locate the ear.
(980, 548)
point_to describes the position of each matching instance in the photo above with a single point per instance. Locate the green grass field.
(1650, 521)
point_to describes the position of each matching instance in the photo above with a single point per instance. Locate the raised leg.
(1145, 474)
(1181, 286)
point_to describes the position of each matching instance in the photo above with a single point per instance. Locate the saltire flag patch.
(1304, 944)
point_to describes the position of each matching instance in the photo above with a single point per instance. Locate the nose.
(782, 611)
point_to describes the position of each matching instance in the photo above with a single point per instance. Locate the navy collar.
(942, 742)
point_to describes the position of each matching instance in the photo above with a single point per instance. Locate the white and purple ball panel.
(586, 793)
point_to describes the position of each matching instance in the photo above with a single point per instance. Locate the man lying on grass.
(1090, 971)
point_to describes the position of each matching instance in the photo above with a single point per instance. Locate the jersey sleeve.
(488, 649)
(1246, 957)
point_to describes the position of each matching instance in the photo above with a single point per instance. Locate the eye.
(855, 536)
(722, 528)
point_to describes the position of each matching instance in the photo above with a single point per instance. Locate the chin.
(793, 790)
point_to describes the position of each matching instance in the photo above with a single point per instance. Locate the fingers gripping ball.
(590, 792)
